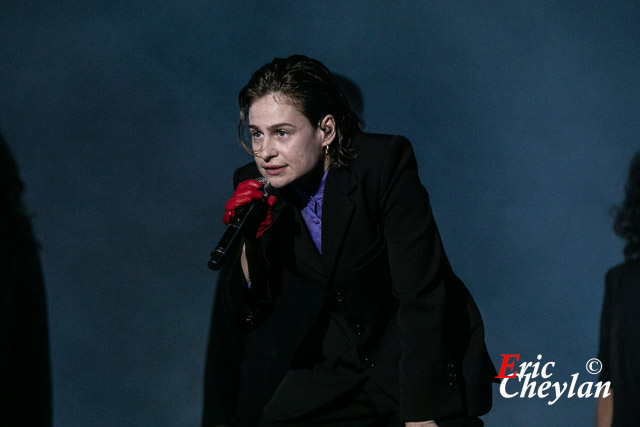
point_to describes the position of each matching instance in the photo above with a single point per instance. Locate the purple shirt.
(312, 212)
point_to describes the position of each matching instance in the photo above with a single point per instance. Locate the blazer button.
(453, 381)
(249, 318)
(370, 362)
(339, 296)
(358, 329)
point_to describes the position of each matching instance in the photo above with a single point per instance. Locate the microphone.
(235, 228)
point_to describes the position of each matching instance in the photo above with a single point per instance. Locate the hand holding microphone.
(241, 211)
(249, 192)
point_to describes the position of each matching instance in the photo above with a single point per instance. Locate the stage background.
(122, 116)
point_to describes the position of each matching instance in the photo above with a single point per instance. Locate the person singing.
(345, 268)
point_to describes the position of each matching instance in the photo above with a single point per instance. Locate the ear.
(328, 128)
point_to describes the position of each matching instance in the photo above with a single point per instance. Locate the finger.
(250, 183)
(228, 216)
(237, 201)
(250, 192)
(271, 201)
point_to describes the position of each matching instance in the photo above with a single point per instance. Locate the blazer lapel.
(337, 211)
(308, 261)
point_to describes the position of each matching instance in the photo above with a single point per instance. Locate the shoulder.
(385, 166)
(628, 268)
(623, 275)
(380, 153)
(378, 146)
(248, 171)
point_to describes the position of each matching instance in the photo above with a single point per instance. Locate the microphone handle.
(232, 235)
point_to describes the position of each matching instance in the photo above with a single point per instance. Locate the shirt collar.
(319, 193)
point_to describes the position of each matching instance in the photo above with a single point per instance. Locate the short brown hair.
(312, 90)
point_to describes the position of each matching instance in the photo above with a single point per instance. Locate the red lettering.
(505, 365)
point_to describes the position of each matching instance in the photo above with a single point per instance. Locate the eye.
(282, 133)
(256, 134)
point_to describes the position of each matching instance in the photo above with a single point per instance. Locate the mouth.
(274, 170)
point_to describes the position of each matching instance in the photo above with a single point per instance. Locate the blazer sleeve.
(225, 351)
(248, 305)
(420, 272)
(236, 310)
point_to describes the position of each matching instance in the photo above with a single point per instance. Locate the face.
(287, 148)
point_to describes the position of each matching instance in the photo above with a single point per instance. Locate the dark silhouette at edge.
(619, 326)
(25, 373)
(627, 216)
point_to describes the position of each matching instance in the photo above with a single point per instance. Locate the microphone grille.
(266, 185)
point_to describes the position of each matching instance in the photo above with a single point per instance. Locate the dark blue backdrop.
(122, 114)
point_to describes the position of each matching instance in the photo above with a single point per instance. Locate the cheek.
(304, 156)
(311, 161)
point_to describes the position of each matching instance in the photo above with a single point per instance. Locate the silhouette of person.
(620, 322)
(25, 378)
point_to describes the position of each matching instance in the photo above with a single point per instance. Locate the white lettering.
(585, 393)
(559, 392)
(573, 385)
(536, 366)
(531, 386)
(599, 386)
(523, 369)
(544, 386)
(503, 389)
(553, 391)
(544, 369)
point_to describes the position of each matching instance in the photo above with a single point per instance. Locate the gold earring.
(326, 150)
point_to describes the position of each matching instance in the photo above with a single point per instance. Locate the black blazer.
(418, 333)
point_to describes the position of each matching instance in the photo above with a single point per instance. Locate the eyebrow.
(272, 127)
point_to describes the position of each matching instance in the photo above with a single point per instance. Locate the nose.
(267, 150)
